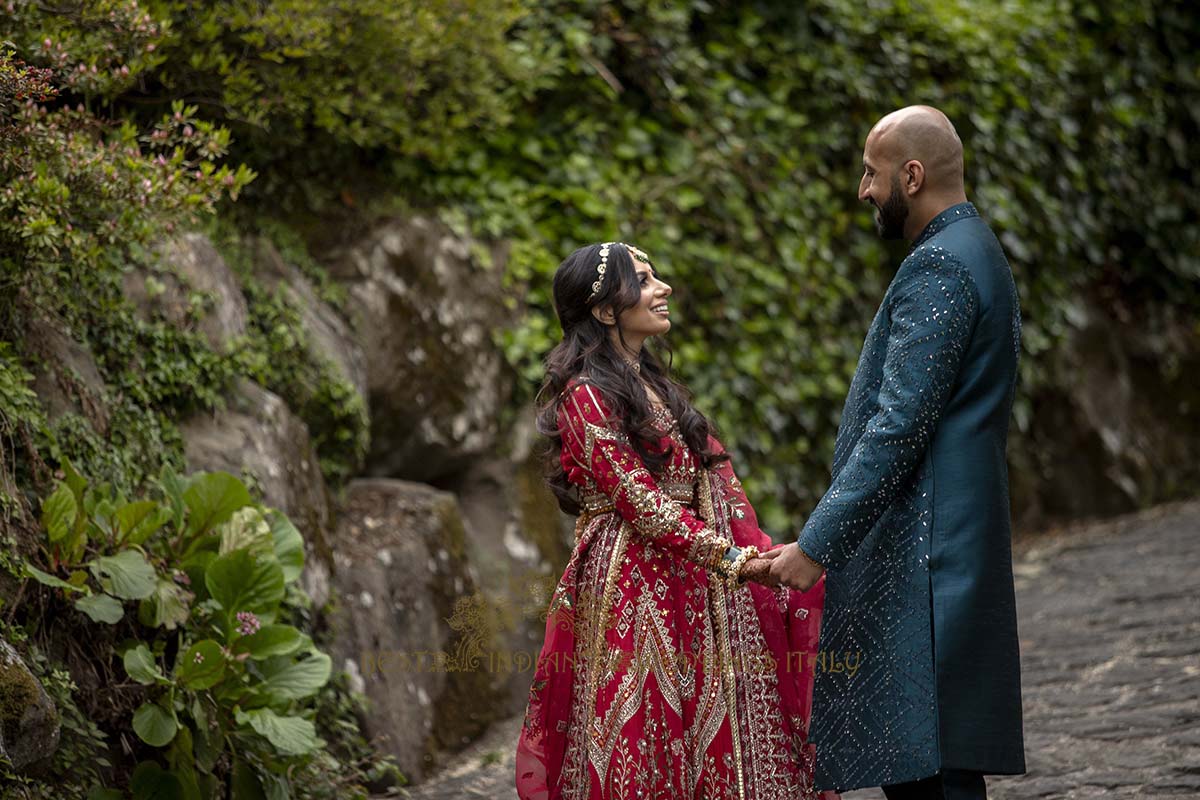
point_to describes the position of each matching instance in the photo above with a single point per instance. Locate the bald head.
(912, 170)
(921, 133)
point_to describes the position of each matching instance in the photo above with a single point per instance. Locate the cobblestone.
(1109, 618)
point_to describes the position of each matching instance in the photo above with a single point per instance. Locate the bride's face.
(651, 315)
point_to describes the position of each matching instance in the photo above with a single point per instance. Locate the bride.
(671, 668)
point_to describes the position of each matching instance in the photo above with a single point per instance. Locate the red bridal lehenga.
(657, 679)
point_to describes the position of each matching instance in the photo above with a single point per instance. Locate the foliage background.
(723, 137)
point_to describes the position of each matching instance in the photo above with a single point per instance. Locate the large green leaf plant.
(207, 570)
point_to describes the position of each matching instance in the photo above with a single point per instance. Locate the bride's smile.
(652, 315)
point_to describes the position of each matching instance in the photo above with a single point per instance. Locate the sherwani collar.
(941, 221)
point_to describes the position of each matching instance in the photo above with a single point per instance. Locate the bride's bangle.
(733, 577)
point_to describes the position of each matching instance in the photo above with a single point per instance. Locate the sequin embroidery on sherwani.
(656, 680)
(915, 532)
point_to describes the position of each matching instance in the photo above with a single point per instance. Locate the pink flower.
(249, 623)
(188, 130)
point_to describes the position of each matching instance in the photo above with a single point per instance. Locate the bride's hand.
(759, 570)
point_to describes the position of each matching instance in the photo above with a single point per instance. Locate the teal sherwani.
(915, 533)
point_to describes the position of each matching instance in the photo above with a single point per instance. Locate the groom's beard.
(892, 214)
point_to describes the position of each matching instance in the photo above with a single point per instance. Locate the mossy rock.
(410, 621)
(29, 724)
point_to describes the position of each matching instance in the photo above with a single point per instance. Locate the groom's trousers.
(949, 784)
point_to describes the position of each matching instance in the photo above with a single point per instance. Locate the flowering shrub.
(80, 197)
(208, 570)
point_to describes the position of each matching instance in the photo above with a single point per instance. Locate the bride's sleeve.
(742, 519)
(593, 446)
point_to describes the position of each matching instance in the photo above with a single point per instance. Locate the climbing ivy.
(724, 137)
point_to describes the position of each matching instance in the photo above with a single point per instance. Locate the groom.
(914, 531)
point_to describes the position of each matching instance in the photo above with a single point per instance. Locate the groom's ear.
(913, 177)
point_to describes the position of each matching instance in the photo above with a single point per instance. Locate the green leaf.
(293, 736)
(49, 580)
(151, 782)
(277, 787)
(289, 545)
(205, 749)
(155, 725)
(101, 608)
(167, 608)
(137, 521)
(58, 512)
(173, 487)
(182, 758)
(270, 640)
(211, 498)
(245, 783)
(129, 575)
(196, 567)
(241, 582)
(202, 666)
(286, 679)
(103, 793)
(74, 480)
(141, 666)
(247, 529)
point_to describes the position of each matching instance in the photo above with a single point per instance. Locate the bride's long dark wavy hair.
(587, 351)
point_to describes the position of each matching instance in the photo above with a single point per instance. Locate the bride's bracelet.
(732, 577)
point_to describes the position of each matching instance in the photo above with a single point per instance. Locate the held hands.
(783, 565)
(758, 570)
(789, 566)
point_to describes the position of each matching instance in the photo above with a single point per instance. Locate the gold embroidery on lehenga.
(701, 692)
(596, 635)
(720, 614)
(711, 710)
(652, 653)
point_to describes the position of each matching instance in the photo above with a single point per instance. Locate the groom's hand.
(791, 567)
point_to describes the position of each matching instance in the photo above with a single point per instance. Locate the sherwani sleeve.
(594, 447)
(931, 317)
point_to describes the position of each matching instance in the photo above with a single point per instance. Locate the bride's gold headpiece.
(602, 267)
(598, 284)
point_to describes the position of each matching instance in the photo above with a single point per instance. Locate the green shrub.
(229, 684)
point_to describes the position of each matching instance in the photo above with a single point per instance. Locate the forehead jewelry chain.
(601, 268)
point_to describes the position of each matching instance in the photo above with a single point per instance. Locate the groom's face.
(880, 186)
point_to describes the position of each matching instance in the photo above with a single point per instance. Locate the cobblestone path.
(1110, 654)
